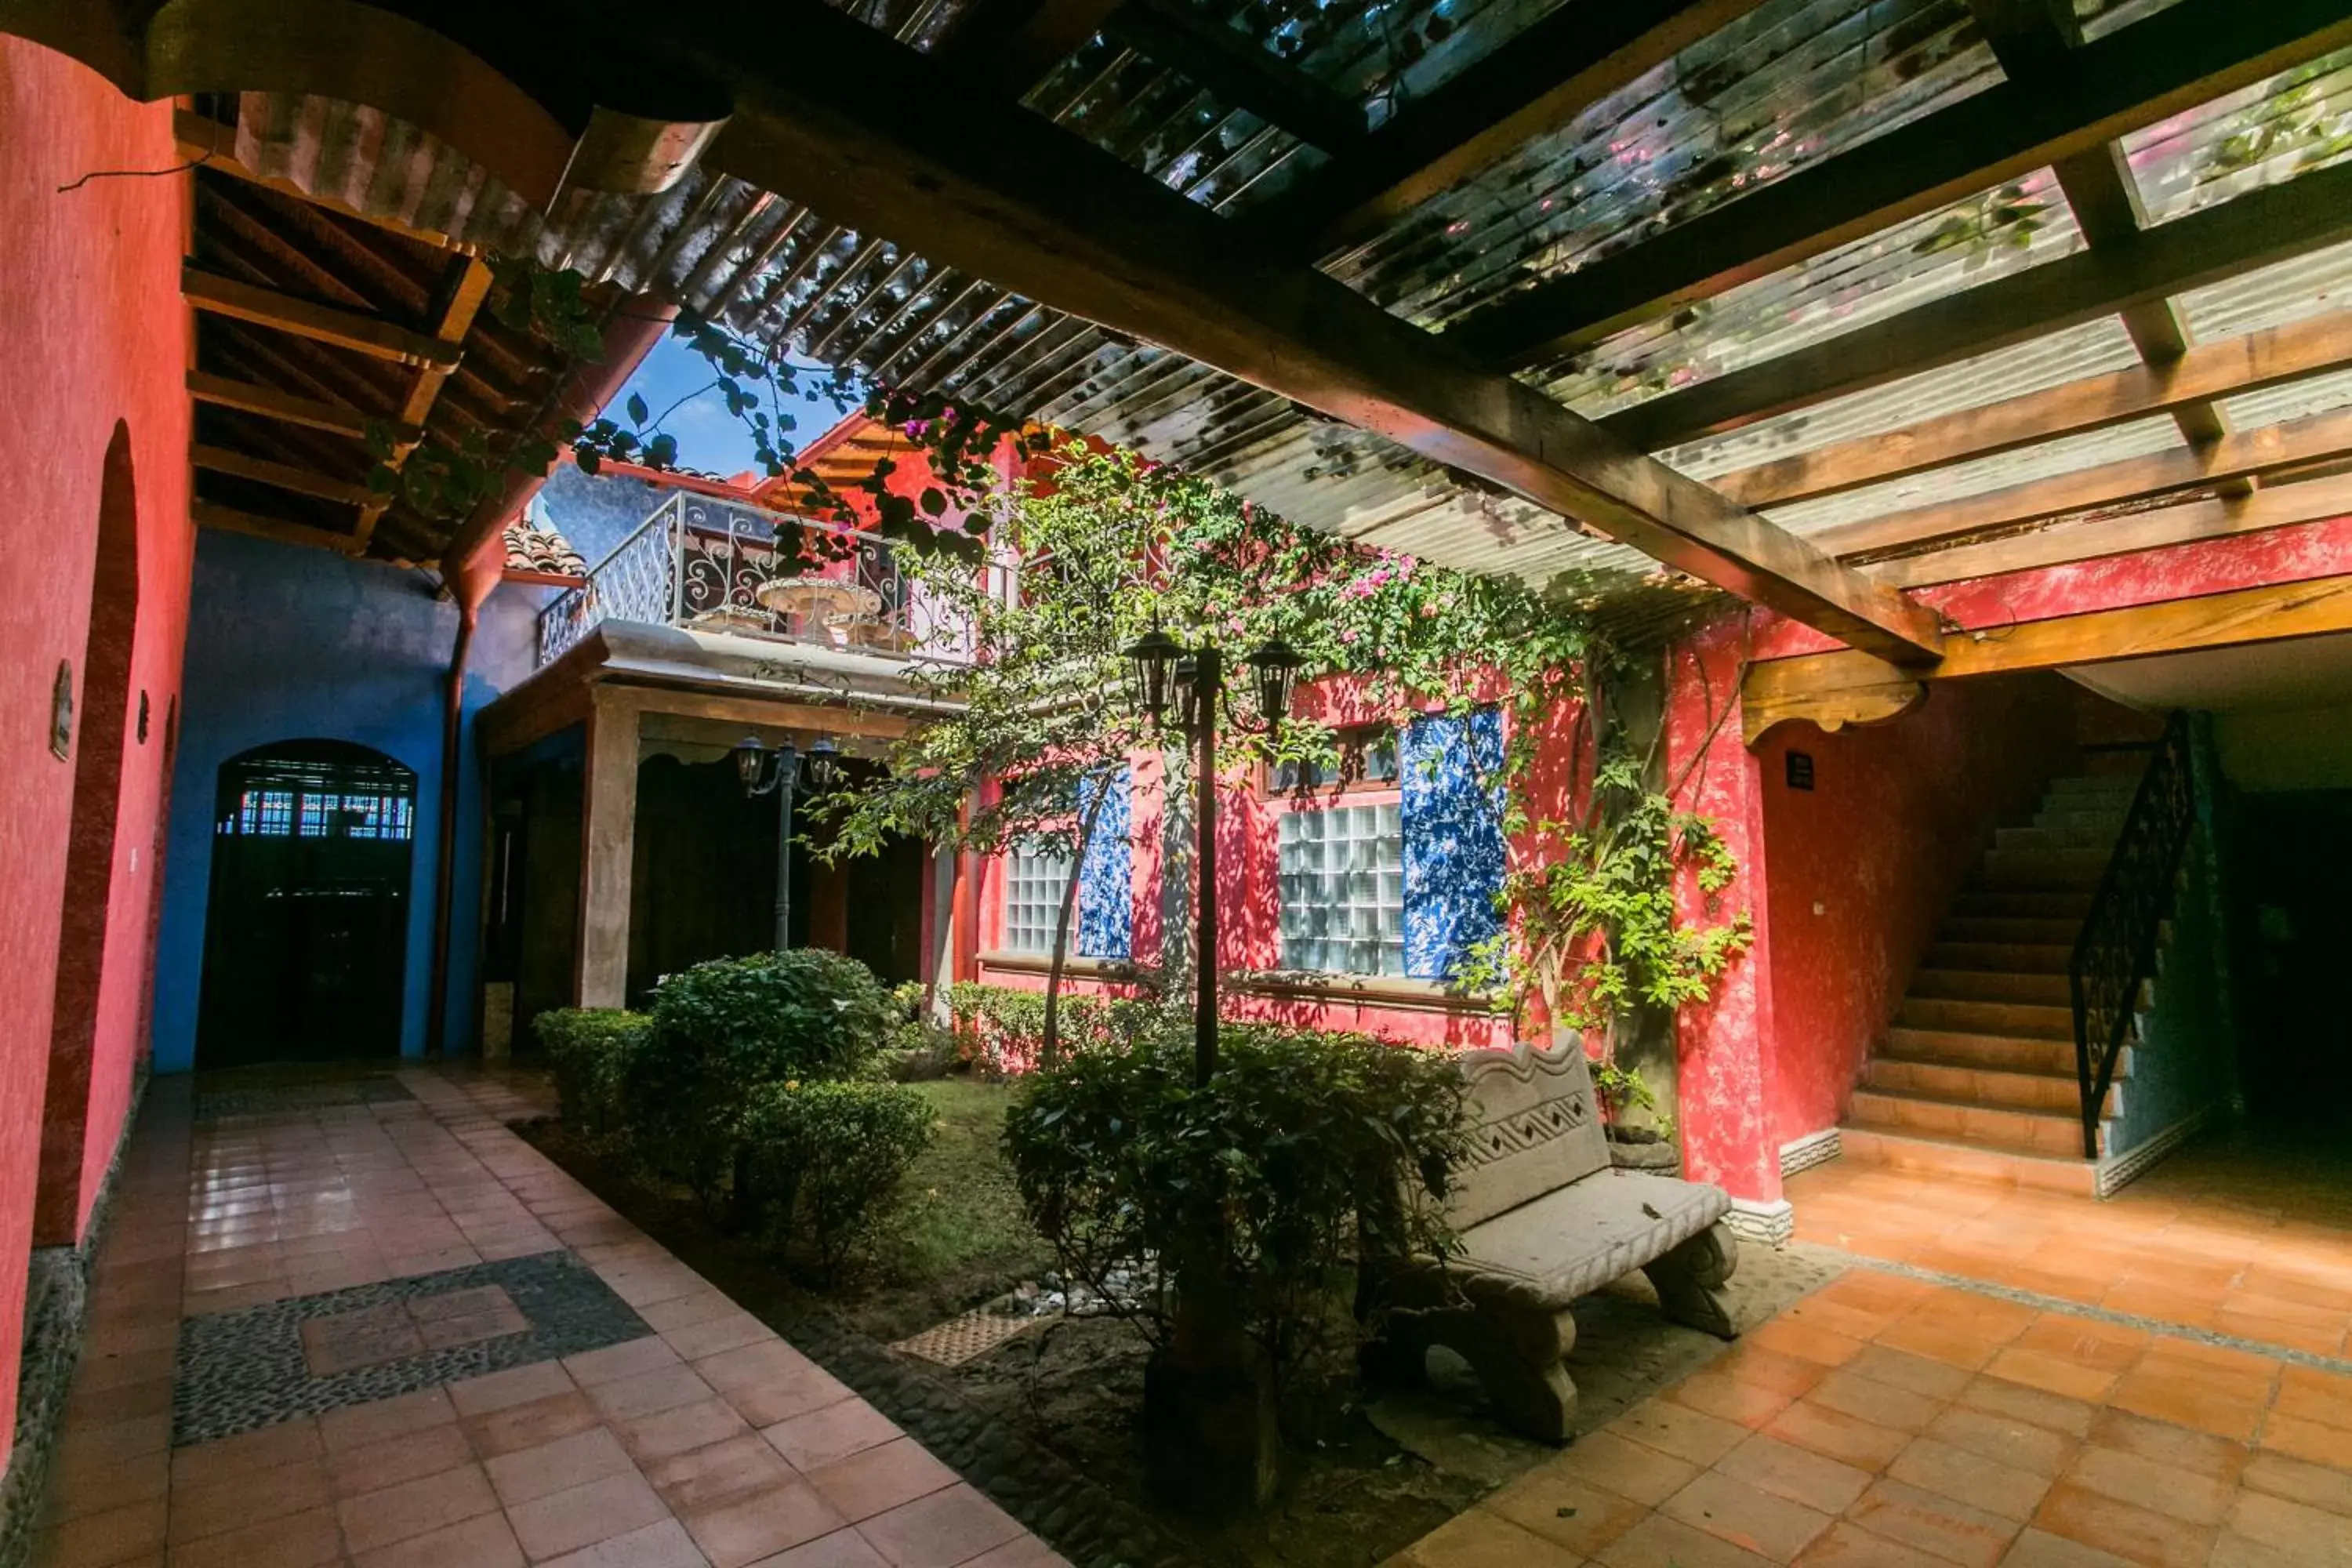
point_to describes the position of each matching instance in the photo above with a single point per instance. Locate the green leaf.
(638, 411)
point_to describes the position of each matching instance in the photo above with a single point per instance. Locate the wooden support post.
(608, 832)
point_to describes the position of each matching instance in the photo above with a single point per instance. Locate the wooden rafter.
(1011, 43)
(325, 323)
(278, 476)
(234, 520)
(2255, 229)
(468, 288)
(2298, 444)
(2093, 539)
(251, 397)
(879, 137)
(1835, 689)
(1231, 66)
(1573, 58)
(2190, 53)
(2228, 368)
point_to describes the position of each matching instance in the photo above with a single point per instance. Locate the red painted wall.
(93, 331)
(1864, 866)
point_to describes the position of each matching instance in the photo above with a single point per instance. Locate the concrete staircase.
(1976, 1077)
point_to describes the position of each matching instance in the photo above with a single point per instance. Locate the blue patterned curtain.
(1453, 838)
(1105, 878)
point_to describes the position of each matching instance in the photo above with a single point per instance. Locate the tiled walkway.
(2004, 1379)
(388, 1332)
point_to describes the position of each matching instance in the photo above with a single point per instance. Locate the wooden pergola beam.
(285, 530)
(2093, 539)
(279, 476)
(1834, 689)
(2190, 53)
(1538, 81)
(2299, 443)
(353, 329)
(1232, 67)
(2260, 227)
(877, 136)
(1013, 44)
(251, 397)
(2228, 368)
(467, 290)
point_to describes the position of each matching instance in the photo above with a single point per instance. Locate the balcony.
(707, 564)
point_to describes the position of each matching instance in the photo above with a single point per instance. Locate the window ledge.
(1116, 970)
(1374, 990)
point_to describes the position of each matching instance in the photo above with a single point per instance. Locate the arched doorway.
(306, 929)
(98, 754)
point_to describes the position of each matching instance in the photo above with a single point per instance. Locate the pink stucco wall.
(94, 334)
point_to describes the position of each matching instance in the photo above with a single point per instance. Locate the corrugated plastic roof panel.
(2299, 120)
(2270, 296)
(2296, 400)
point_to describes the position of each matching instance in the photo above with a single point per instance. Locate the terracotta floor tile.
(529, 1474)
(530, 1425)
(1474, 1540)
(2040, 1548)
(1788, 1470)
(939, 1530)
(662, 1544)
(416, 1508)
(2035, 1406)
(1790, 1335)
(2139, 1534)
(503, 1390)
(1678, 1430)
(1880, 1403)
(288, 1442)
(107, 1536)
(1936, 1525)
(1616, 1465)
(486, 1541)
(624, 1360)
(425, 1452)
(583, 1515)
(1721, 1395)
(729, 1331)
(1835, 1435)
(2297, 1528)
(253, 1497)
(299, 1541)
(2317, 1442)
(646, 1393)
(756, 1524)
(880, 1479)
(361, 1425)
(1659, 1541)
(705, 1476)
(834, 1432)
(2186, 1400)
(1746, 1516)
(2317, 1486)
(1916, 1374)
(681, 1429)
(1570, 1515)
(1845, 1545)
(1026, 1552)
(1767, 1368)
(2051, 1371)
(1966, 1476)
(2004, 1438)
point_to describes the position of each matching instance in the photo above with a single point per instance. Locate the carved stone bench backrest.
(1535, 1129)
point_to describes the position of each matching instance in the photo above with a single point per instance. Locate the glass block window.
(1341, 874)
(1034, 880)
(266, 811)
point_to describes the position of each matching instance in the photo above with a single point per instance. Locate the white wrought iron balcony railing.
(710, 564)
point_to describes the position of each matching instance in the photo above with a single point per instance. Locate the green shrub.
(1304, 1150)
(590, 1050)
(723, 1032)
(826, 1159)
(999, 1030)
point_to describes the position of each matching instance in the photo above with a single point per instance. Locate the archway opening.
(306, 926)
(104, 689)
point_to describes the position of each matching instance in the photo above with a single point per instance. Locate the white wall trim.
(1813, 1149)
(1767, 1225)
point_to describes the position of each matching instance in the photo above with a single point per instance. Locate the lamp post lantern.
(1164, 673)
(779, 770)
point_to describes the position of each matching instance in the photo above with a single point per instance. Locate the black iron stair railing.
(2114, 954)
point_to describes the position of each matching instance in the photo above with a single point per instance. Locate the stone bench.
(1542, 1218)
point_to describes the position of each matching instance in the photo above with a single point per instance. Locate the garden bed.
(1046, 1423)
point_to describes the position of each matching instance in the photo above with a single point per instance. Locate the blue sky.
(708, 437)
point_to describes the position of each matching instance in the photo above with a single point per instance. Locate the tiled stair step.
(2022, 903)
(2058, 1132)
(2046, 990)
(2038, 1092)
(2001, 1053)
(2015, 957)
(1971, 929)
(2032, 1021)
(2098, 819)
(2100, 834)
(1942, 1157)
(2044, 868)
(2119, 780)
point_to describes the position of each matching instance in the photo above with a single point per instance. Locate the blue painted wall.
(291, 644)
(596, 513)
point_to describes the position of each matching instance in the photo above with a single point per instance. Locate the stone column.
(608, 832)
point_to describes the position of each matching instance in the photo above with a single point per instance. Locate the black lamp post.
(778, 769)
(1163, 673)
